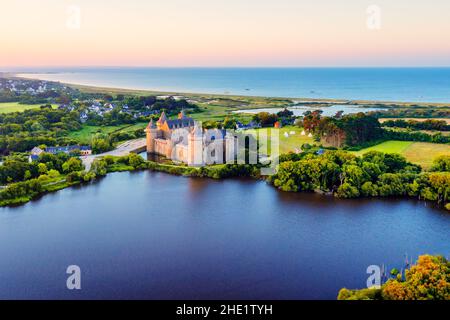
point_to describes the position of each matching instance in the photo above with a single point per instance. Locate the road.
(122, 150)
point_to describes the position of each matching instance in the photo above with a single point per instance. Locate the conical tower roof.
(163, 118)
(151, 125)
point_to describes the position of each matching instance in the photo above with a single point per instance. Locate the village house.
(83, 117)
(250, 125)
(36, 151)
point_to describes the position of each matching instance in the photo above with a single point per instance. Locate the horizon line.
(228, 67)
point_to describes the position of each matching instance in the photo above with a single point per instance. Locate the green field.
(84, 135)
(422, 153)
(388, 147)
(287, 144)
(211, 112)
(7, 107)
(293, 141)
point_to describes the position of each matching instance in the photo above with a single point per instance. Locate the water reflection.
(151, 235)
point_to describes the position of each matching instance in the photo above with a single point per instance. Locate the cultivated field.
(414, 119)
(422, 153)
(7, 107)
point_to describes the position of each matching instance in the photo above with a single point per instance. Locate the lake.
(387, 84)
(152, 235)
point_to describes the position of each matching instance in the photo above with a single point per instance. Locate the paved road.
(122, 150)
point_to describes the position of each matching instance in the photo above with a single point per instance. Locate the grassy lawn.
(84, 135)
(139, 125)
(290, 143)
(388, 147)
(212, 112)
(7, 107)
(293, 141)
(422, 153)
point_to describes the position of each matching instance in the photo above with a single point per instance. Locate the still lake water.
(152, 235)
(387, 84)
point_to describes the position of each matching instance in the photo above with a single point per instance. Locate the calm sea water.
(387, 84)
(152, 236)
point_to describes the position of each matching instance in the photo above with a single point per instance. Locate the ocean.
(382, 84)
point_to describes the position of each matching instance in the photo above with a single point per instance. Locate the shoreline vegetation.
(336, 172)
(113, 116)
(427, 279)
(50, 181)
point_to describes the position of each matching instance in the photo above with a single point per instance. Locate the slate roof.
(55, 150)
(180, 123)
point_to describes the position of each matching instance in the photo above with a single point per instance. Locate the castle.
(183, 140)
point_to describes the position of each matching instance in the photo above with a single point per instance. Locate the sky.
(311, 33)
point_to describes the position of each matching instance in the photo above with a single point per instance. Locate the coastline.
(306, 100)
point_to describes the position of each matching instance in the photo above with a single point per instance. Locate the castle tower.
(169, 149)
(230, 148)
(181, 115)
(195, 147)
(162, 120)
(151, 134)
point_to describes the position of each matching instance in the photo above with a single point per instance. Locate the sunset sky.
(223, 33)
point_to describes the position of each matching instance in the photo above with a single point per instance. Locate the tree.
(440, 186)
(311, 120)
(87, 176)
(101, 144)
(73, 177)
(391, 184)
(346, 190)
(71, 165)
(229, 123)
(53, 173)
(369, 189)
(42, 168)
(441, 163)
(99, 167)
(429, 279)
(355, 175)
(360, 128)
(27, 175)
(265, 119)
(135, 160)
(285, 113)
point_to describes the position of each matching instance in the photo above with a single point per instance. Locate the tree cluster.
(374, 174)
(428, 279)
